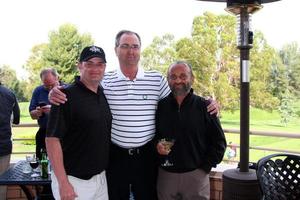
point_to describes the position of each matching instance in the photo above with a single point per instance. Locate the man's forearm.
(55, 154)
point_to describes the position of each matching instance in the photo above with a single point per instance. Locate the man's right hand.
(37, 113)
(56, 96)
(161, 149)
(66, 191)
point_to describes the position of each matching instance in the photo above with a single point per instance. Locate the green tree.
(9, 78)
(284, 79)
(211, 50)
(160, 54)
(290, 56)
(285, 108)
(263, 57)
(34, 65)
(213, 54)
(25, 86)
(61, 52)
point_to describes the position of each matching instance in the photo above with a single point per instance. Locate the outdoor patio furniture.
(15, 176)
(279, 176)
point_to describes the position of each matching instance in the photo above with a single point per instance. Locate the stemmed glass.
(34, 163)
(27, 168)
(168, 144)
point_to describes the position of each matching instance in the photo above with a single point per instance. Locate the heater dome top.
(242, 1)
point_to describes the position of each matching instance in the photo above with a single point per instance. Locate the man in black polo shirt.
(77, 144)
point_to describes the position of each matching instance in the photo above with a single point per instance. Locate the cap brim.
(93, 56)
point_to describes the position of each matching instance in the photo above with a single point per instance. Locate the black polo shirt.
(83, 125)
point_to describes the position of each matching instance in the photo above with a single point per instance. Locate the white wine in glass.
(168, 144)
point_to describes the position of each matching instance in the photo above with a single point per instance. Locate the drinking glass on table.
(34, 163)
(168, 144)
(26, 167)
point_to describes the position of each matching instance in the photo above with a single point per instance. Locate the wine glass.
(34, 163)
(168, 144)
(27, 168)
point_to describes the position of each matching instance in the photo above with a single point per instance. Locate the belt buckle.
(132, 151)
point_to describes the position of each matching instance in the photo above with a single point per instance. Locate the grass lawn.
(25, 116)
(21, 146)
(259, 120)
(263, 121)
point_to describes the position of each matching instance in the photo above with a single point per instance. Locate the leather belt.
(132, 151)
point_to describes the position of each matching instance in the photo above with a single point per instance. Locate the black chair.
(279, 176)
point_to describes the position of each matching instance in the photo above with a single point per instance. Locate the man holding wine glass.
(198, 139)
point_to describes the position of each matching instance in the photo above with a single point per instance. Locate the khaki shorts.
(93, 189)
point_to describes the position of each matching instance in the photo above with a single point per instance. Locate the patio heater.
(241, 183)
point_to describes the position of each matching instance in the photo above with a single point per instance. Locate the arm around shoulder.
(57, 96)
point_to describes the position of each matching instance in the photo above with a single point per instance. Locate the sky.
(26, 23)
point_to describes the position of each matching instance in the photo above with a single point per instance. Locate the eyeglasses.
(127, 46)
(182, 77)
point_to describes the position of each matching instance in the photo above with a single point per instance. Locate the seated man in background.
(39, 107)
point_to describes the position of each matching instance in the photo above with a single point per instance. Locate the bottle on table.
(44, 164)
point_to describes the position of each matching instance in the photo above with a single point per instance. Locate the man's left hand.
(213, 107)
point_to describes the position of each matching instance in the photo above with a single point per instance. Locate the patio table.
(15, 176)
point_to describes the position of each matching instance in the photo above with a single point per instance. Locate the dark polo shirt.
(83, 125)
(8, 106)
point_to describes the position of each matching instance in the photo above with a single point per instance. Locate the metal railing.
(229, 131)
(268, 134)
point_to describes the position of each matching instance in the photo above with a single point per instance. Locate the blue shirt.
(39, 95)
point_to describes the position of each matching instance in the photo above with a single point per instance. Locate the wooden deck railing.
(231, 131)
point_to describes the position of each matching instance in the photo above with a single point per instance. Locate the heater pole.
(244, 45)
(242, 183)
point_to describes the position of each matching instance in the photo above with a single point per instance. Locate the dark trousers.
(40, 142)
(132, 170)
(46, 192)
